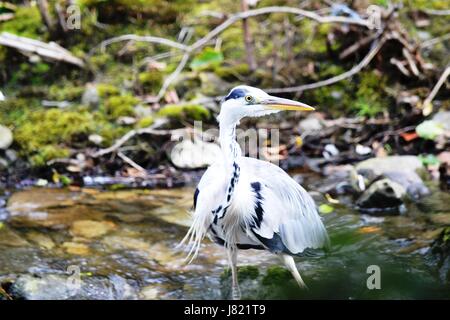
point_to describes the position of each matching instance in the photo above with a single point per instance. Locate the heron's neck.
(230, 147)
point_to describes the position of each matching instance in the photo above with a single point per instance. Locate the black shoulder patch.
(235, 94)
(275, 244)
(195, 197)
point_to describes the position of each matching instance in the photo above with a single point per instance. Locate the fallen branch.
(133, 37)
(427, 106)
(357, 68)
(131, 162)
(433, 12)
(432, 42)
(357, 45)
(51, 51)
(130, 134)
(168, 81)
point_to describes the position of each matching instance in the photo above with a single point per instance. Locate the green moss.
(65, 92)
(50, 127)
(184, 111)
(120, 106)
(151, 81)
(244, 273)
(106, 90)
(145, 122)
(47, 153)
(248, 272)
(27, 23)
(276, 276)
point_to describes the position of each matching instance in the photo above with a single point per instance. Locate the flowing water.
(121, 244)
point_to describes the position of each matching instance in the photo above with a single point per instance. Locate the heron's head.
(246, 101)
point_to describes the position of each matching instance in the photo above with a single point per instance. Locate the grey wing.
(287, 213)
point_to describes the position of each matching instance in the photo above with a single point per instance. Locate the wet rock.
(11, 155)
(10, 238)
(383, 195)
(41, 240)
(51, 208)
(150, 293)
(6, 137)
(91, 229)
(76, 248)
(399, 169)
(62, 287)
(391, 163)
(440, 254)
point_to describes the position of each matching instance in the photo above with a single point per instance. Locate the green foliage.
(429, 159)
(206, 59)
(31, 73)
(13, 111)
(184, 111)
(369, 99)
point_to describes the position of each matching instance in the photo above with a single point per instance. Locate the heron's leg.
(290, 264)
(235, 291)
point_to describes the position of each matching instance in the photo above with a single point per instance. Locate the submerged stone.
(63, 287)
(91, 229)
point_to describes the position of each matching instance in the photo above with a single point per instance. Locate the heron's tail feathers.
(193, 238)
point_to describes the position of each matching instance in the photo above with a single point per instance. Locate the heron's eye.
(248, 98)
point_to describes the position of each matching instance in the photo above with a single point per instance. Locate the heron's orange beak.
(285, 104)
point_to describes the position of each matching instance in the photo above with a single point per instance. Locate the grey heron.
(245, 203)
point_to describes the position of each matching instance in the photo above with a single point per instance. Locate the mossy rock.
(185, 112)
(59, 126)
(244, 273)
(277, 276)
(276, 283)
